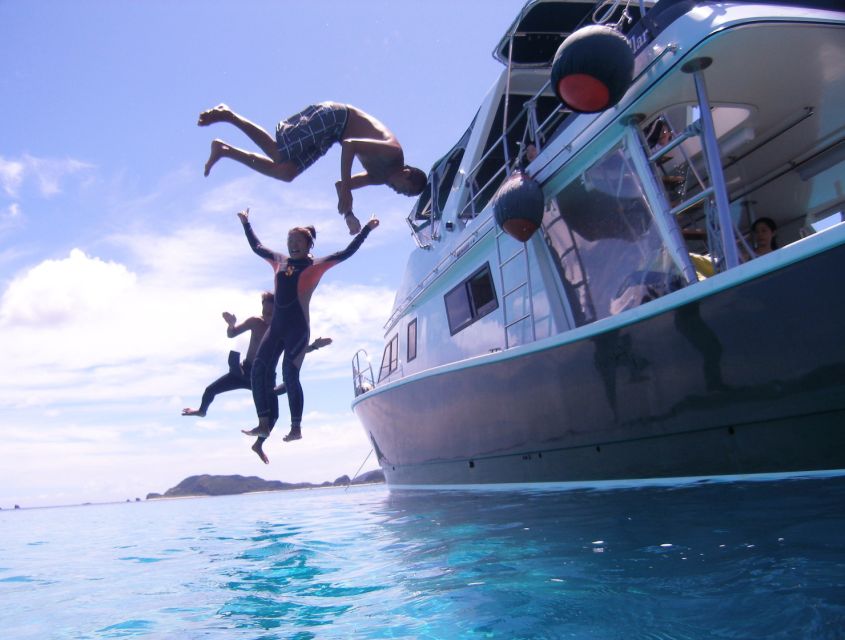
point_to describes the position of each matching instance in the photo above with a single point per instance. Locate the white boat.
(631, 336)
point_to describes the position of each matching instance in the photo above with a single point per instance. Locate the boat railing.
(533, 133)
(481, 231)
(362, 373)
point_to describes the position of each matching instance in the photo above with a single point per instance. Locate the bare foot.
(217, 114)
(293, 434)
(352, 222)
(258, 448)
(218, 147)
(259, 431)
(193, 412)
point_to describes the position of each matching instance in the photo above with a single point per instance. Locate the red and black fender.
(592, 69)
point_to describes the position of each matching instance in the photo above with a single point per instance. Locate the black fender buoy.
(592, 69)
(518, 206)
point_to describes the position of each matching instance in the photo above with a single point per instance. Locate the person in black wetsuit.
(238, 376)
(296, 276)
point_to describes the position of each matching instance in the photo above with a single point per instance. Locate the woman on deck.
(296, 277)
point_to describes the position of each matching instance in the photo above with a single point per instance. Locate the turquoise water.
(705, 560)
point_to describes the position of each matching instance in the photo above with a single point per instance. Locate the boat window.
(390, 359)
(412, 339)
(474, 298)
(610, 254)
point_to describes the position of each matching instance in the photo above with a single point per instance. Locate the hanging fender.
(592, 69)
(518, 206)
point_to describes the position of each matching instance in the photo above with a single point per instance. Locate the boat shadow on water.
(690, 559)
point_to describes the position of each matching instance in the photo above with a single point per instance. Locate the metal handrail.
(359, 374)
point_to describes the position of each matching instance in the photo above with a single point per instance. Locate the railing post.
(714, 162)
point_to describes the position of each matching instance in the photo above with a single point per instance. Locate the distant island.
(208, 485)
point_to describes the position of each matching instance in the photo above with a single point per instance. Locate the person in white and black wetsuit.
(296, 277)
(238, 376)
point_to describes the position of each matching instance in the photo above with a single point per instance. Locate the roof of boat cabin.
(542, 25)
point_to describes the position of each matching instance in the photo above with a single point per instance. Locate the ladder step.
(527, 316)
(516, 288)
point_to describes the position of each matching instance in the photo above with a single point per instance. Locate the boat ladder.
(517, 302)
(362, 373)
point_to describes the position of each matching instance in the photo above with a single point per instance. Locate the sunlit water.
(705, 560)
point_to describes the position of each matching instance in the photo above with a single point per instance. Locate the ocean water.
(705, 560)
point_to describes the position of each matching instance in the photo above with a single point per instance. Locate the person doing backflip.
(306, 136)
(296, 277)
(238, 376)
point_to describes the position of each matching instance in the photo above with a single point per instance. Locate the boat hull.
(748, 379)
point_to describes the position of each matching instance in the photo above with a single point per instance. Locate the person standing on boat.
(296, 276)
(306, 136)
(764, 235)
(238, 376)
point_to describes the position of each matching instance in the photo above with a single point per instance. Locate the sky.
(117, 257)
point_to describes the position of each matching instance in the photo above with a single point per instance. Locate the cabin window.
(609, 251)
(390, 359)
(474, 298)
(412, 339)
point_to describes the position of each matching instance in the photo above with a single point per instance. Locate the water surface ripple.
(709, 560)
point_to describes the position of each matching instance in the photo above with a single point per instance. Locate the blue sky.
(117, 256)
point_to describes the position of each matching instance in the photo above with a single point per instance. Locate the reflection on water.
(695, 560)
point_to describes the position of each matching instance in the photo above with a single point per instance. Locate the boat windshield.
(603, 213)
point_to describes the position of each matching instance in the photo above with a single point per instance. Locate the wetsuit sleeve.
(343, 254)
(258, 248)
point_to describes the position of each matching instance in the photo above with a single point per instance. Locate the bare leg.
(258, 447)
(222, 113)
(262, 430)
(193, 412)
(285, 171)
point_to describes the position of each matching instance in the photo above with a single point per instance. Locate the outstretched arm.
(367, 147)
(357, 241)
(258, 248)
(319, 343)
(235, 329)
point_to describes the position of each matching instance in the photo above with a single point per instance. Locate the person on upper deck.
(306, 136)
(764, 236)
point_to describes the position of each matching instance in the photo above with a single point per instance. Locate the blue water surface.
(706, 560)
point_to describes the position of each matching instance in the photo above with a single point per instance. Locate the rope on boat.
(359, 469)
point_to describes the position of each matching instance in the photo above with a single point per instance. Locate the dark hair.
(267, 295)
(310, 232)
(772, 227)
(654, 132)
(417, 178)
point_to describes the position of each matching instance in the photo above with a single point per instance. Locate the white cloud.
(47, 173)
(103, 463)
(82, 329)
(11, 175)
(58, 291)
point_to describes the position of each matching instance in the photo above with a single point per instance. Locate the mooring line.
(359, 470)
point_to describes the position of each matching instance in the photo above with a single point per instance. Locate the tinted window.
(390, 358)
(474, 298)
(412, 339)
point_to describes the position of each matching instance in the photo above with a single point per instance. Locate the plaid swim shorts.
(308, 135)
